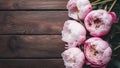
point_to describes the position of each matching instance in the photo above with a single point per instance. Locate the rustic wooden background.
(30, 33)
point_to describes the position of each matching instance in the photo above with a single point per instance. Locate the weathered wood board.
(32, 22)
(33, 4)
(31, 63)
(31, 46)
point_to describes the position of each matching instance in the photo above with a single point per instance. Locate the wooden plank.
(24, 46)
(32, 22)
(31, 63)
(33, 4)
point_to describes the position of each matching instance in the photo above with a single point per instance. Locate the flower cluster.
(97, 52)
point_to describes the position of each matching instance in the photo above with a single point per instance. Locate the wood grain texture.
(32, 22)
(33, 4)
(31, 63)
(27, 46)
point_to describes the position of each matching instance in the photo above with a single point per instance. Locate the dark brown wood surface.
(28, 46)
(33, 4)
(32, 22)
(31, 63)
(30, 33)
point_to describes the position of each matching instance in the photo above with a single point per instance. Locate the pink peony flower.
(78, 9)
(73, 33)
(97, 52)
(73, 58)
(98, 22)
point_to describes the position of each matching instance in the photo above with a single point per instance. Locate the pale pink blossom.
(97, 52)
(73, 58)
(99, 22)
(73, 33)
(78, 9)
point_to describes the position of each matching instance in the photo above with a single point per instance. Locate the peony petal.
(78, 9)
(99, 22)
(97, 52)
(114, 17)
(73, 58)
(73, 33)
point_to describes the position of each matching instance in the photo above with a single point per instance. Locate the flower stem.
(117, 47)
(112, 5)
(95, 1)
(105, 8)
(101, 2)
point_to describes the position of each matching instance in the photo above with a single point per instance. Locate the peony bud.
(73, 58)
(78, 9)
(97, 52)
(98, 22)
(73, 33)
